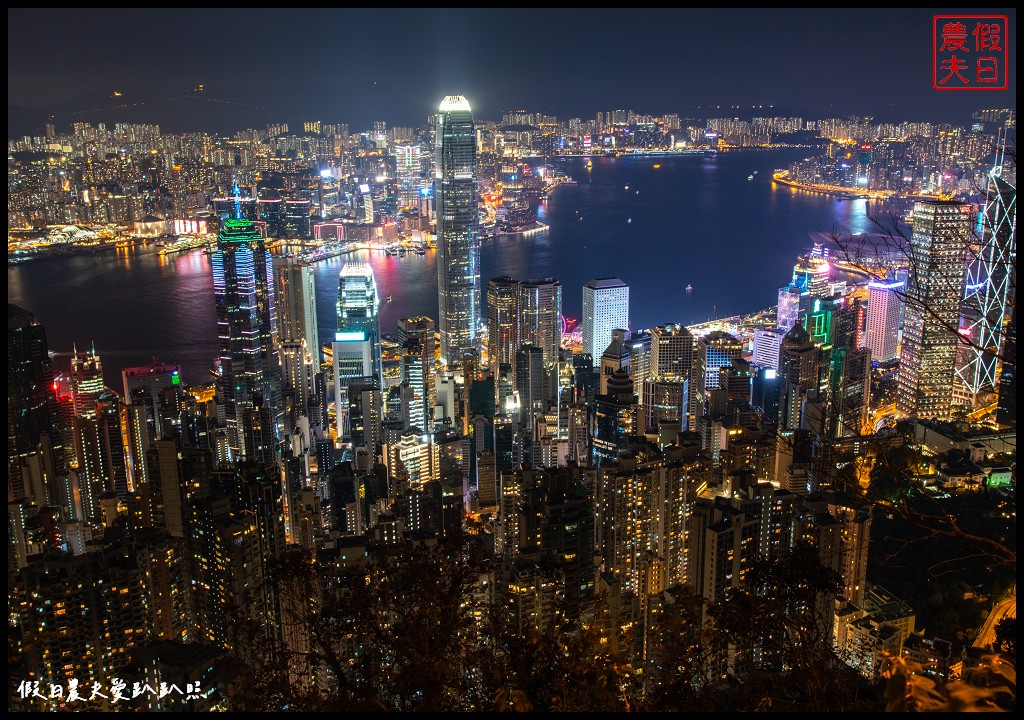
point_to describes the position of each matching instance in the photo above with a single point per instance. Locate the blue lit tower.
(991, 284)
(249, 384)
(458, 266)
(356, 349)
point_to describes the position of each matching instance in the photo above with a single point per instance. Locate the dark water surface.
(692, 221)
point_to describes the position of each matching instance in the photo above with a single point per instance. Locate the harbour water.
(659, 223)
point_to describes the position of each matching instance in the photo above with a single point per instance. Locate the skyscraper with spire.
(249, 382)
(458, 266)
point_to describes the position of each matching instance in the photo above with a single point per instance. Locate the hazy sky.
(567, 62)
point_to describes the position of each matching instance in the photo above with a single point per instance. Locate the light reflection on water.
(694, 220)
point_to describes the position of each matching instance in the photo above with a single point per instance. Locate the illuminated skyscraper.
(935, 291)
(458, 264)
(86, 382)
(295, 306)
(357, 351)
(502, 320)
(540, 316)
(408, 169)
(882, 333)
(991, 285)
(249, 385)
(421, 329)
(666, 388)
(297, 337)
(791, 298)
(605, 307)
(714, 351)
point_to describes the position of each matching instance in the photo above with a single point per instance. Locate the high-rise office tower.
(881, 336)
(766, 346)
(297, 339)
(502, 320)
(714, 351)
(109, 410)
(408, 171)
(295, 307)
(458, 262)
(421, 329)
(531, 382)
(249, 385)
(666, 389)
(540, 316)
(791, 300)
(991, 286)
(935, 291)
(812, 272)
(614, 418)
(671, 351)
(416, 409)
(799, 361)
(357, 350)
(86, 382)
(605, 307)
(32, 421)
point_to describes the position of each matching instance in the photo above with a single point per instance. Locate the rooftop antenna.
(238, 200)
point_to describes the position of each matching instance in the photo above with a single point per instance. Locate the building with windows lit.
(605, 308)
(32, 420)
(408, 171)
(935, 291)
(540, 316)
(767, 342)
(249, 384)
(356, 349)
(458, 248)
(881, 335)
(714, 351)
(502, 320)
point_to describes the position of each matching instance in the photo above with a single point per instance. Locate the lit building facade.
(881, 336)
(935, 291)
(458, 262)
(605, 308)
(249, 385)
(357, 350)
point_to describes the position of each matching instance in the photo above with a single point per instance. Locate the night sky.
(360, 65)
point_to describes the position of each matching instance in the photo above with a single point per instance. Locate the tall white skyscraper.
(605, 307)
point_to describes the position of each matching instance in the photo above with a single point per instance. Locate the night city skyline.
(524, 360)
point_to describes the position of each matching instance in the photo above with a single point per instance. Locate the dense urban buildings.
(344, 508)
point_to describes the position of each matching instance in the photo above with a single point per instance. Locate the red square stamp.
(970, 52)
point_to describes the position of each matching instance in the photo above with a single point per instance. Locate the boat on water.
(689, 288)
(750, 177)
(590, 165)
